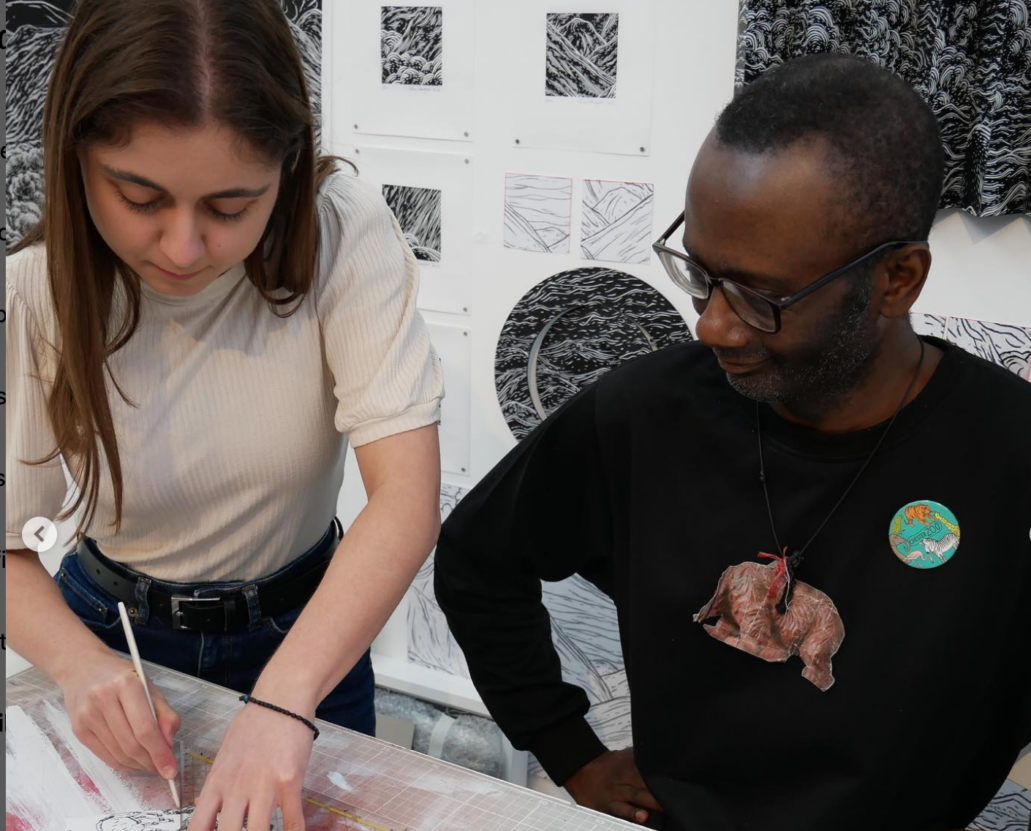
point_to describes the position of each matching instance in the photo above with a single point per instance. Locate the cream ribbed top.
(234, 459)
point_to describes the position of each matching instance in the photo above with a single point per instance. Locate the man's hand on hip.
(612, 784)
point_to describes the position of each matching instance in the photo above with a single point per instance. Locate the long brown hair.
(182, 63)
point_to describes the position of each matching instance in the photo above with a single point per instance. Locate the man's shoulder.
(663, 373)
(994, 408)
(663, 387)
(996, 388)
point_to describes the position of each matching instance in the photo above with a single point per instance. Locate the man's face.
(776, 222)
(207, 212)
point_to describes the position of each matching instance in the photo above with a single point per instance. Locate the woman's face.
(179, 202)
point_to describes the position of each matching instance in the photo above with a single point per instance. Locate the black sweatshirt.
(647, 484)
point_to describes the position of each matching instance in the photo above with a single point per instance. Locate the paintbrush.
(138, 664)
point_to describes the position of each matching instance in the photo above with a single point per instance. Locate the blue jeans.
(233, 660)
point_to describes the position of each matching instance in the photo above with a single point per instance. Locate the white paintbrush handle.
(138, 665)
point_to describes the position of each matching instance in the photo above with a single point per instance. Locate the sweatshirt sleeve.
(540, 514)
(387, 376)
(30, 490)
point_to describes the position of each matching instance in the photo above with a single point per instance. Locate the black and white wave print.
(971, 62)
(412, 45)
(599, 331)
(1009, 811)
(582, 55)
(537, 212)
(1005, 344)
(37, 30)
(418, 213)
(617, 221)
(430, 642)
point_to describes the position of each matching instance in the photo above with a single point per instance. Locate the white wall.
(981, 266)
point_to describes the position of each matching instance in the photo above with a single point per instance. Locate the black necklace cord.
(793, 561)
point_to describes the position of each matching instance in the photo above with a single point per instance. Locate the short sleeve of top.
(387, 376)
(39, 490)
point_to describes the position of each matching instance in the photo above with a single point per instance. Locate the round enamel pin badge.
(924, 534)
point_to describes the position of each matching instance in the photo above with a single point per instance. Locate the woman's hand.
(261, 765)
(110, 715)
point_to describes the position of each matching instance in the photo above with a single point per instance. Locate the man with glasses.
(814, 524)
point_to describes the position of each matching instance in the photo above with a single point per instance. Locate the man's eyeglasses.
(752, 307)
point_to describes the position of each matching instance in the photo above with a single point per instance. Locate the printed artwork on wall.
(36, 32)
(538, 211)
(418, 213)
(584, 78)
(431, 194)
(412, 40)
(1004, 344)
(1010, 810)
(407, 69)
(617, 221)
(582, 55)
(1000, 343)
(928, 324)
(571, 329)
(968, 61)
(430, 643)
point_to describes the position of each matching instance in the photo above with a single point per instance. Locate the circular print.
(592, 320)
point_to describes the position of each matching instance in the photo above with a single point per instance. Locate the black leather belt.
(225, 613)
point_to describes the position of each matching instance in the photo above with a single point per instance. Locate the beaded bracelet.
(246, 699)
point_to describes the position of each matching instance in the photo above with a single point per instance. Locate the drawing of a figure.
(146, 821)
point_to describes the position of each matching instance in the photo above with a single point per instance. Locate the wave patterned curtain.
(970, 59)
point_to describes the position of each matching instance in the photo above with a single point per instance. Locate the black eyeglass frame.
(778, 305)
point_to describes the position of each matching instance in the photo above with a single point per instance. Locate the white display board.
(442, 110)
(546, 112)
(454, 347)
(445, 284)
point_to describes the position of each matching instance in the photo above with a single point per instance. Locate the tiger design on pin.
(919, 513)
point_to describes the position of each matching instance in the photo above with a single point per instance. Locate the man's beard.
(834, 366)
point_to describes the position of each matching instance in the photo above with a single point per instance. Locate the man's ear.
(903, 276)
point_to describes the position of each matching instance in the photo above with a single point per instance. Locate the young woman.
(205, 315)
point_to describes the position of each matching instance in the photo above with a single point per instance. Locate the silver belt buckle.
(177, 614)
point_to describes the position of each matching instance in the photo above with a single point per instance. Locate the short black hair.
(885, 141)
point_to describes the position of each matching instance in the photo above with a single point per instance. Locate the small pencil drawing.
(582, 55)
(617, 221)
(418, 213)
(171, 820)
(411, 43)
(537, 213)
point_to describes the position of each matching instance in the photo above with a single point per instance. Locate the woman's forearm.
(40, 626)
(373, 567)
